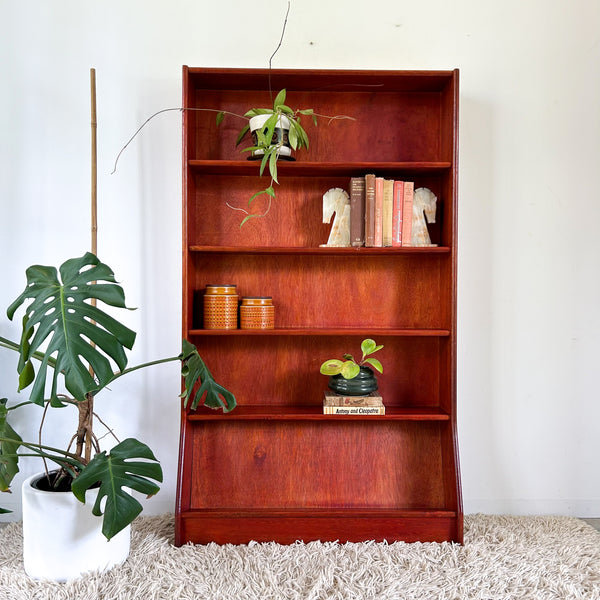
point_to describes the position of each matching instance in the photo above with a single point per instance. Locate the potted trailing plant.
(85, 351)
(275, 133)
(351, 377)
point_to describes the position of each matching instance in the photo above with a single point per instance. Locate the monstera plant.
(69, 351)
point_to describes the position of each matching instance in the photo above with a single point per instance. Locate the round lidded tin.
(257, 312)
(220, 307)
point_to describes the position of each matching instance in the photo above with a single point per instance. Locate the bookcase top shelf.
(320, 80)
(250, 168)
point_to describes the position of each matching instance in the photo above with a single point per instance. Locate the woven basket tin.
(257, 312)
(221, 307)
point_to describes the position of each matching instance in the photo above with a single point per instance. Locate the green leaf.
(375, 364)
(286, 110)
(367, 346)
(257, 194)
(293, 136)
(116, 471)
(10, 441)
(306, 111)
(332, 366)
(253, 112)
(242, 134)
(4, 511)
(76, 333)
(302, 136)
(279, 99)
(220, 117)
(350, 370)
(194, 371)
(273, 166)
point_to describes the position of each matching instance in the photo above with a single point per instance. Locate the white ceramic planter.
(258, 121)
(62, 539)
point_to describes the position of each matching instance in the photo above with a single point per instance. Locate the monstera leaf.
(193, 370)
(9, 444)
(116, 471)
(78, 335)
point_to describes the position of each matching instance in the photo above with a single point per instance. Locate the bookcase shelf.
(277, 468)
(315, 413)
(319, 251)
(325, 331)
(248, 168)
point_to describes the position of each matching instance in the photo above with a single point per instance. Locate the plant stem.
(6, 343)
(180, 109)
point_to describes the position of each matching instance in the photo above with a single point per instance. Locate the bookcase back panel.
(408, 125)
(322, 465)
(285, 369)
(295, 216)
(333, 291)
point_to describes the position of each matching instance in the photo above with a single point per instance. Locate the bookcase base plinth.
(287, 527)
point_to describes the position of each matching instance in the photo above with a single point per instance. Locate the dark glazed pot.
(361, 385)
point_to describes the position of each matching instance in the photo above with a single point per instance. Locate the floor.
(593, 522)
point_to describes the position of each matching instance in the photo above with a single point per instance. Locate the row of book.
(380, 211)
(338, 404)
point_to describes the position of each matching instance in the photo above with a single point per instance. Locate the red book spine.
(397, 213)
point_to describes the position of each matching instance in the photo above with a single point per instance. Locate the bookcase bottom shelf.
(287, 527)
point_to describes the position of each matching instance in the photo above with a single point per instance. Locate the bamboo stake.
(94, 166)
(86, 412)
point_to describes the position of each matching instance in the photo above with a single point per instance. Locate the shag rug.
(503, 558)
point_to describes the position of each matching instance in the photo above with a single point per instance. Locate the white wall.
(529, 290)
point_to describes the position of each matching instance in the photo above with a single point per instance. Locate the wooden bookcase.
(276, 468)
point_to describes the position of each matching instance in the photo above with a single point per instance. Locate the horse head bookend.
(424, 208)
(336, 200)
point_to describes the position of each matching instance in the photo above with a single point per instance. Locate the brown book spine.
(370, 209)
(397, 213)
(357, 211)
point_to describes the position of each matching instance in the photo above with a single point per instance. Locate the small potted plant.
(353, 378)
(275, 133)
(84, 352)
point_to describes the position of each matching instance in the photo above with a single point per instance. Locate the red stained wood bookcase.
(276, 468)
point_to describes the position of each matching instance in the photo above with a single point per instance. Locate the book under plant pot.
(62, 539)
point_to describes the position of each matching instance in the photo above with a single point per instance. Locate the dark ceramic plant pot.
(361, 385)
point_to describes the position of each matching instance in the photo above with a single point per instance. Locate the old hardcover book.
(397, 213)
(357, 211)
(407, 210)
(378, 212)
(354, 410)
(370, 209)
(334, 399)
(388, 205)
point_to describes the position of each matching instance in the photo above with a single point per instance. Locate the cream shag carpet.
(503, 558)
